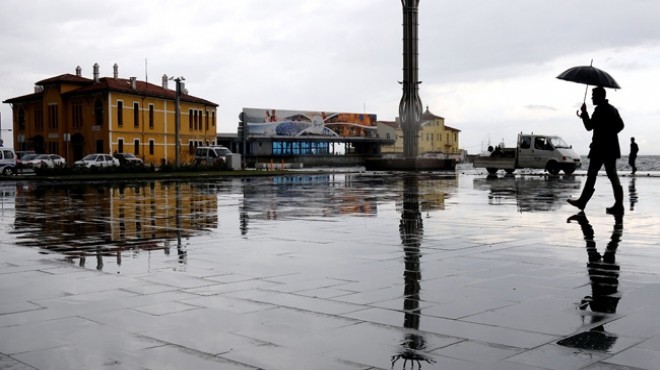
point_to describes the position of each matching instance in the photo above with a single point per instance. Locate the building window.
(120, 113)
(207, 120)
(21, 119)
(213, 118)
(38, 118)
(98, 113)
(120, 145)
(53, 147)
(151, 147)
(190, 119)
(53, 115)
(77, 114)
(136, 147)
(191, 147)
(136, 115)
(151, 116)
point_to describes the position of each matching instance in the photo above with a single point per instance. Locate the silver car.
(97, 160)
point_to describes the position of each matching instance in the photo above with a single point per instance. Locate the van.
(7, 161)
(212, 155)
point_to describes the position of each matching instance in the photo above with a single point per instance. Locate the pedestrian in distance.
(606, 123)
(634, 148)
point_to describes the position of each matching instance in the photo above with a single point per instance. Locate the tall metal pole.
(410, 107)
(177, 122)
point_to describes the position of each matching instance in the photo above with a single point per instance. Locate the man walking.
(633, 154)
(605, 123)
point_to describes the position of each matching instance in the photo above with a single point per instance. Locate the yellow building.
(73, 116)
(434, 136)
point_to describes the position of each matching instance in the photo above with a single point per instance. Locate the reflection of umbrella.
(589, 75)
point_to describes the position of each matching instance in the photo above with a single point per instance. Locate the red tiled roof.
(24, 98)
(67, 77)
(428, 116)
(108, 84)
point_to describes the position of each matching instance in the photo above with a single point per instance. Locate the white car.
(97, 160)
(47, 160)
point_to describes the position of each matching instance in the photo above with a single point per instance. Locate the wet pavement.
(329, 271)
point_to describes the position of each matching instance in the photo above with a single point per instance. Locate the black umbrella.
(589, 75)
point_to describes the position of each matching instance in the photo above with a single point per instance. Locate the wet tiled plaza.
(329, 271)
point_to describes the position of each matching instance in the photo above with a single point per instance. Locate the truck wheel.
(552, 168)
(569, 170)
(491, 170)
(509, 170)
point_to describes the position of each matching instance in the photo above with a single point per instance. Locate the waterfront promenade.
(330, 271)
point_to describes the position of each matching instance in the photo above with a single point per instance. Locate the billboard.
(289, 123)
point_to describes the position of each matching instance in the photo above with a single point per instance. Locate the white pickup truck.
(546, 152)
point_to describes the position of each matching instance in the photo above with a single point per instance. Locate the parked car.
(128, 159)
(211, 154)
(97, 160)
(23, 161)
(47, 160)
(7, 161)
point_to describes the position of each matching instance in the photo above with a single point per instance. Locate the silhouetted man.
(634, 148)
(604, 149)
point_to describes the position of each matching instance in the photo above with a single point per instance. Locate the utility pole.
(177, 121)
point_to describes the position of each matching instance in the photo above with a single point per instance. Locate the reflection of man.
(605, 124)
(604, 277)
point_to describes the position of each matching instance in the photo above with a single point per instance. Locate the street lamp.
(177, 119)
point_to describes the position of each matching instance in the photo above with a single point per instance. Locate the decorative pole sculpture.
(410, 108)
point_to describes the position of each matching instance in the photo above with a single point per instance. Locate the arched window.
(98, 112)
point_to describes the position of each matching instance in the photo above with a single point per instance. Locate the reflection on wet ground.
(374, 271)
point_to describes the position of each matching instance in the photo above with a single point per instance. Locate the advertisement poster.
(287, 123)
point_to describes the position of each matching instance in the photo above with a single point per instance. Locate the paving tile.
(480, 353)
(8, 363)
(40, 335)
(558, 358)
(641, 358)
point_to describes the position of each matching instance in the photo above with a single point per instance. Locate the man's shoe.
(577, 203)
(616, 209)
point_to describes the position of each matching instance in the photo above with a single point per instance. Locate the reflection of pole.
(180, 251)
(411, 229)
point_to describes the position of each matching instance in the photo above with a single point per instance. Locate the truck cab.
(547, 152)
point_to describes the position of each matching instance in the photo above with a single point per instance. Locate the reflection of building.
(72, 116)
(83, 220)
(288, 197)
(431, 191)
(435, 138)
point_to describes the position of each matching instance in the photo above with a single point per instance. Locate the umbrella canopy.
(589, 75)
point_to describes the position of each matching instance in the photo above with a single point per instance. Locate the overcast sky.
(488, 67)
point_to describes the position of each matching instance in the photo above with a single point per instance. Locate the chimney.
(38, 89)
(78, 71)
(115, 70)
(134, 83)
(96, 72)
(165, 82)
(184, 91)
